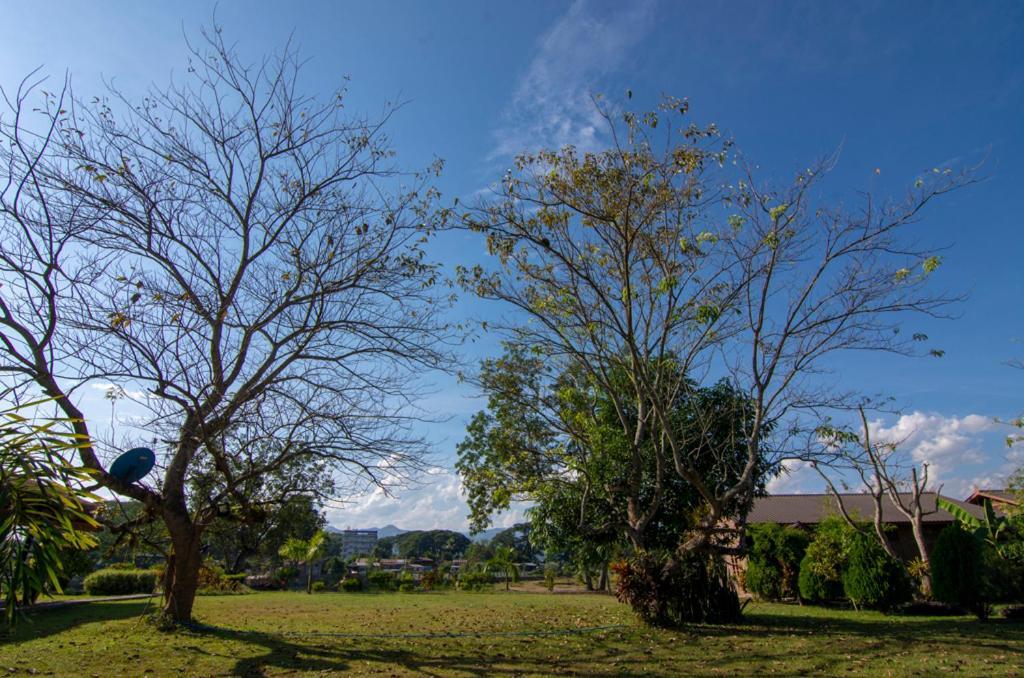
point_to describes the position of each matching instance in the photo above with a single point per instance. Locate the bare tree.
(649, 259)
(886, 474)
(247, 256)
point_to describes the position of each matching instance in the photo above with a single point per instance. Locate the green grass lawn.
(292, 633)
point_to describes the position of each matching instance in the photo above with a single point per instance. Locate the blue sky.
(901, 87)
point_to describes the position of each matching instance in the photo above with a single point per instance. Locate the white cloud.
(797, 477)
(438, 503)
(552, 104)
(950, 446)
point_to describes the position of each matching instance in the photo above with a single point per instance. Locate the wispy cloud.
(552, 103)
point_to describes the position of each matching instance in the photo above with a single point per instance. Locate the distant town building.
(357, 542)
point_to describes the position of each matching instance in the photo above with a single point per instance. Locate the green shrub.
(475, 581)
(874, 579)
(110, 582)
(287, 573)
(821, 569)
(773, 560)
(669, 591)
(550, 570)
(319, 587)
(350, 584)
(407, 583)
(385, 581)
(213, 580)
(815, 586)
(958, 576)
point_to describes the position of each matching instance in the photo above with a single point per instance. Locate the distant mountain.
(389, 531)
(382, 532)
(393, 531)
(486, 535)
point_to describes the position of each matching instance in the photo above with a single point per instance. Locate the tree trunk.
(309, 577)
(181, 578)
(588, 582)
(922, 549)
(602, 584)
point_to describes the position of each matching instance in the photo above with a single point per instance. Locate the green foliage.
(873, 579)
(503, 561)
(815, 587)
(436, 544)
(213, 580)
(407, 582)
(773, 560)
(517, 538)
(120, 582)
(350, 585)
(319, 587)
(238, 540)
(821, 569)
(670, 591)
(958, 572)
(550, 572)
(475, 581)
(41, 511)
(385, 581)
(305, 551)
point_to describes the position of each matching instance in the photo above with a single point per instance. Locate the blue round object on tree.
(133, 465)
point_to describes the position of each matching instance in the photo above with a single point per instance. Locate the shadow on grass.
(43, 623)
(341, 653)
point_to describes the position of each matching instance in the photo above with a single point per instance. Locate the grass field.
(292, 633)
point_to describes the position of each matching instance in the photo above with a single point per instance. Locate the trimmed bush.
(120, 582)
(958, 576)
(670, 591)
(319, 587)
(350, 584)
(874, 579)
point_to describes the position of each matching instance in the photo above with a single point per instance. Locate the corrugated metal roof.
(810, 509)
(1006, 496)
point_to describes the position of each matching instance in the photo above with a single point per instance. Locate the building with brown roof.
(1002, 500)
(807, 510)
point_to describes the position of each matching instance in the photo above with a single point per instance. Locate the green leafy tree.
(234, 542)
(517, 538)
(503, 561)
(42, 515)
(305, 551)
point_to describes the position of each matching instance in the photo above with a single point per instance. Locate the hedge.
(112, 582)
